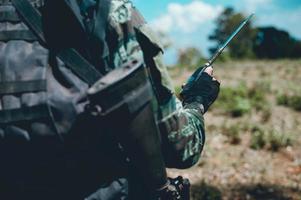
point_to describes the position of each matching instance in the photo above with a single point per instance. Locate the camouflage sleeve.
(182, 129)
(183, 135)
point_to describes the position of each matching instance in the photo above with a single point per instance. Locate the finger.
(214, 79)
(209, 70)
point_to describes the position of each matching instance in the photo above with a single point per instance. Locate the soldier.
(50, 145)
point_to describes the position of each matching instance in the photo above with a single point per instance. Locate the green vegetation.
(270, 139)
(292, 101)
(240, 100)
(233, 133)
(242, 47)
(258, 140)
(262, 96)
(253, 42)
(277, 140)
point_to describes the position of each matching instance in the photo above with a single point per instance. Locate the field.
(253, 144)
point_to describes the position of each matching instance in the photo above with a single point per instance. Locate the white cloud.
(253, 5)
(186, 17)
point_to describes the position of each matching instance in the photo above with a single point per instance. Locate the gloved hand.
(175, 189)
(203, 90)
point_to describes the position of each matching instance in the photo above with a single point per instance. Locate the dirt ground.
(234, 170)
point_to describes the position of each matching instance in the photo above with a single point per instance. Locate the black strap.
(22, 86)
(9, 16)
(35, 3)
(26, 35)
(24, 114)
(5, 2)
(70, 57)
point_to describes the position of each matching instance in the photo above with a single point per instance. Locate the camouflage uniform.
(46, 151)
(182, 128)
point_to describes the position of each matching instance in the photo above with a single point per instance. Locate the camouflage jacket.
(182, 129)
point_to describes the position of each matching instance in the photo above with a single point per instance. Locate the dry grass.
(253, 147)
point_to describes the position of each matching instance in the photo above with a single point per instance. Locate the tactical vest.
(47, 143)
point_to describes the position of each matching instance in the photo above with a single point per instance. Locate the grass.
(233, 133)
(291, 101)
(238, 101)
(255, 110)
(258, 140)
(270, 139)
(277, 140)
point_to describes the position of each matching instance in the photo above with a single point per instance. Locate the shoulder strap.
(79, 65)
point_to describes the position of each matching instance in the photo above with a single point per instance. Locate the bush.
(282, 99)
(278, 140)
(266, 113)
(257, 95)
(233, 133)
(295, 102)
(273, 140)
(239, 107)
(292, 101)
(240, 100)
(258, 140)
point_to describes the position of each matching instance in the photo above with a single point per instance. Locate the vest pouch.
(124, 97)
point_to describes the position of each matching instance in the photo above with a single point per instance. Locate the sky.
(188, 23)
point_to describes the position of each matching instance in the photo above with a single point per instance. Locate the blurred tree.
(226, 23)
(273, 43)
(296, 50)
(190, 57)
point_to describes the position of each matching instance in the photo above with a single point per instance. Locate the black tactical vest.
(49, 147)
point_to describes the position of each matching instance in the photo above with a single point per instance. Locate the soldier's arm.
(183, 134)
(182, 128)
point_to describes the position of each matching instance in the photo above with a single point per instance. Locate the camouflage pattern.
(182, 129)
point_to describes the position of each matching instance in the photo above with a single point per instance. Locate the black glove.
(176, 189)
(203, 90)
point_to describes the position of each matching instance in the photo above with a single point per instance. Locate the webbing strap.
(26, 35)
(35, 3)
(31, 16)
(9, 16)
(24, 114)
(80, 66)
(22, 86)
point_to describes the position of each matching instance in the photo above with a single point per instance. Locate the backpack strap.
(9, 16)
(24, 114)
(26, 35)
(16, 87)
(79, 65)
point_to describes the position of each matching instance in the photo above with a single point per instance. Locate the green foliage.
(292, 101)
(233, 133)
(251, 42)
(273, 43)
(226, 23)
(258, 140)
(271, 139)
(257, 95)
(282, 99)
(266, 113)
(278, 140)
(240, 107)
(240, 100)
